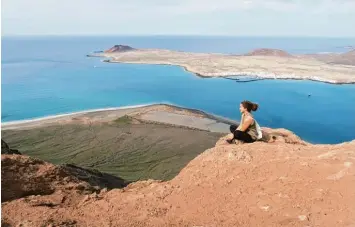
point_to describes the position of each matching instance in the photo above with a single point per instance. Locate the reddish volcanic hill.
(119, 48)
(268, 52)
(347, 58)
(284, 183)
(350, 53)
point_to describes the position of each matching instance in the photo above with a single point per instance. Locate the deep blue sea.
(44, 76)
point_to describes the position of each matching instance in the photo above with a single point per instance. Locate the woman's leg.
(232, 128)
(243, 136)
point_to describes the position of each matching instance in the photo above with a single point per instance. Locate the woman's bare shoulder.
(249, 118)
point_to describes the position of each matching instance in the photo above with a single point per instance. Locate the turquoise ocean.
(44, 76)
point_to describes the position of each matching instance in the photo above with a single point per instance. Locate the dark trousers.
(240, 135)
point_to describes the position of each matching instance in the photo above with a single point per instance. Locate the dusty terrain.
(133, 151)
(285, 183)
(151, 142)
(262, 63)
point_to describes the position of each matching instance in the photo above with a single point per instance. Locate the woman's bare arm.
(247, 122)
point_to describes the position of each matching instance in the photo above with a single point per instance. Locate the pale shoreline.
(257, 76)
(210, 65)
(71, 114)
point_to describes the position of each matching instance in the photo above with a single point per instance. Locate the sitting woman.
(246, 131)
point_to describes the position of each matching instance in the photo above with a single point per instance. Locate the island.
(335, 68)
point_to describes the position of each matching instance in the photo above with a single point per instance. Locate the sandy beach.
(301, 67)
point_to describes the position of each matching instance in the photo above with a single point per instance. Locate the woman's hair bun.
(255, 107)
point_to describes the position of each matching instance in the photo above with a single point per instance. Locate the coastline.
(70, 114)
(222, 65)
(257, 76)
(112, 113)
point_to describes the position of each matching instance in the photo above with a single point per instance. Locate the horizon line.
(170, 35)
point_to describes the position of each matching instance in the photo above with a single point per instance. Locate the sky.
(322, 18)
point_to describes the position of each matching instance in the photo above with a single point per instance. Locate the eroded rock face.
(23, 176)
(286, 182)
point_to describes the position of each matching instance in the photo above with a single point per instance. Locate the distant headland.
(261, 63)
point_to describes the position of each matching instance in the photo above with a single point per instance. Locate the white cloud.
(233, 17)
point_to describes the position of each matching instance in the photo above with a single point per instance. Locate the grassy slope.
(131, 151)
